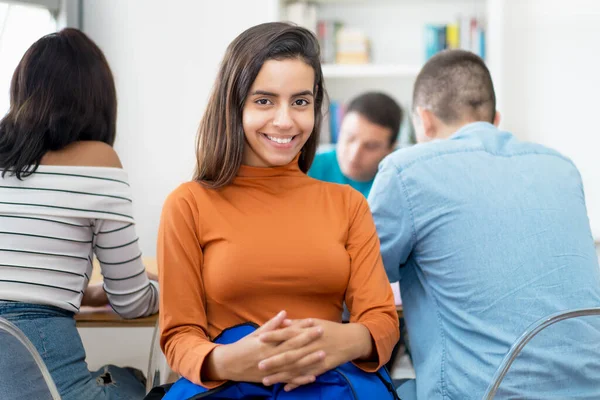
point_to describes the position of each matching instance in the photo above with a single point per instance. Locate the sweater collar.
(259, 172)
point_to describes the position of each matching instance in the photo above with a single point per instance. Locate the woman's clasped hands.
(293, 352)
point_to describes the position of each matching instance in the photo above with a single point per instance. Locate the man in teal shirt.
(367, 134)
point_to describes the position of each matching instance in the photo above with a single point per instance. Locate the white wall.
(125, 347)
(164, 55)
(547, 69)
(20, 26)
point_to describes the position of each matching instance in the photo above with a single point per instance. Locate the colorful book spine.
(467, 33)
(435, 39)
(452, 36)
(326, 34)
(336, 114)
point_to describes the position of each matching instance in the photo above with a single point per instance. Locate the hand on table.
(94, 296)
(152, 276)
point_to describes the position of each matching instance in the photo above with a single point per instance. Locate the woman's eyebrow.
(304, 93)
(271, 94)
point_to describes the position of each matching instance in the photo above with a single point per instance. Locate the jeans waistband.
(29, 310)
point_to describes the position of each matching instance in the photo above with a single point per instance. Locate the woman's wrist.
(216, 365)
(364, 346)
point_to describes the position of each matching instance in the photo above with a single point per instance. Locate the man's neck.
(445, 131)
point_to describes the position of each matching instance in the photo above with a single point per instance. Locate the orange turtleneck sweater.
(273, 239)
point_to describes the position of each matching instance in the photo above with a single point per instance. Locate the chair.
(529, 334)
(159, 372)
(23, 374)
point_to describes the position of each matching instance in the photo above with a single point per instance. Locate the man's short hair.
(380, 109)
(456, 86)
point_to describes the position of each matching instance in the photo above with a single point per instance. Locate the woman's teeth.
(279, 140)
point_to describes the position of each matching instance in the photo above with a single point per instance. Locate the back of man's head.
(456, 86)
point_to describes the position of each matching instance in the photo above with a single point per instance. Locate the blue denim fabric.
(53, 333)
(487, 234)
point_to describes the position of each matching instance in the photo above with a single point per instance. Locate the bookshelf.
(370, 70)
(396, 33)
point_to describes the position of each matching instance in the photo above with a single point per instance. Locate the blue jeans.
(407, 390)
(53, 333)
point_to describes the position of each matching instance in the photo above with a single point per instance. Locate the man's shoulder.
(540, 149)
(406, 157)
(324, 164)
(500, 144)
(326, 156)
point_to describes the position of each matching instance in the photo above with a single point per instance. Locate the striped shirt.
(53, 222)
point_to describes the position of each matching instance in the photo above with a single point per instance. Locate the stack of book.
(342, 45)
(467, 33)
(339, 44)
(352, 47)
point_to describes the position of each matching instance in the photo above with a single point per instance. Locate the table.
(94, 317)
(400, 311)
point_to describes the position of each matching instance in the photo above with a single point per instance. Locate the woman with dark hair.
(63, 198)
(253, 235)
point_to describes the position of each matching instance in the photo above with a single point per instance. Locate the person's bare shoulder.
(84, 154)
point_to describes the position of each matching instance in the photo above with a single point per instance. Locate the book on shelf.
(342, 45)
(452, 36)
(352, 46)
(467, 33)
(336, 115)
(339, 44)
(332, 120)
(326, 34)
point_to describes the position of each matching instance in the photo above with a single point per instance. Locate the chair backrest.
(23, 374)
(159, 372)
(526, 337)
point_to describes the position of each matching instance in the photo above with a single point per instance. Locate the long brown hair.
(220, 140)
(61, 92)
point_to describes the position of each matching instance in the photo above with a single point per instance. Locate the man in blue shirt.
(367, 134)
(486, 234)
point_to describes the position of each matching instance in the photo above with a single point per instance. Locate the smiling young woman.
(249, 91)
(253, 235)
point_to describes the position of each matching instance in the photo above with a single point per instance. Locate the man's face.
(361, 147)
